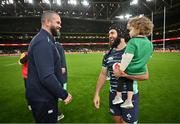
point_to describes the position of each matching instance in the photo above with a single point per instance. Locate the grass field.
(159, 96)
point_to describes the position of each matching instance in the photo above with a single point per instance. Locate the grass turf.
(159, 96)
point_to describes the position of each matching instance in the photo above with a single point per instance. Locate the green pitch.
(159, 96)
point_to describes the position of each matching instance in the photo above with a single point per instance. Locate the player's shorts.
(128, 115)
(44, 112)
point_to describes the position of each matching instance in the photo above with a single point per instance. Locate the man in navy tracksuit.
(43, 83)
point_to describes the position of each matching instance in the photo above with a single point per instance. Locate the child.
(138, 51)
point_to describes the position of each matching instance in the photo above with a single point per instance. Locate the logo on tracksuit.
(128, 116)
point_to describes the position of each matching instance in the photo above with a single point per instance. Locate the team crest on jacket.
(110, 58)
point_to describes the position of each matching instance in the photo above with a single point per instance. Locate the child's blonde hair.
(142, 24)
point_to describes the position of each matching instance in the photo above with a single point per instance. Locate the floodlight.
(127, 16)
(28, 1)
(120, 17)
(73, 2)
(9, 1)
(58, 2)
(46, 1)
(85, 3)
(3, 3)
(134, 2)
(149, 0)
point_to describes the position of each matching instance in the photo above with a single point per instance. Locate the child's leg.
(128, 102)
(119, 89)
(129, 95)
(118, 93)
(118, 99)
(130, 89)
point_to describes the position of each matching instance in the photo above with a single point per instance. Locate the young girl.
(138, 51)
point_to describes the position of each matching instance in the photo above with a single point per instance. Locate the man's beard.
(115, 43)
(54, 31)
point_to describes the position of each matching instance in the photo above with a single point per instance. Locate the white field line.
(164, 59)
(10, 64)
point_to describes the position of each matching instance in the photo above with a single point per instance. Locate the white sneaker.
(127, 104)
(29, 107)
(61, 116)
(117, 100)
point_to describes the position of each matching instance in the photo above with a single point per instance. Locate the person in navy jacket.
(43, 87)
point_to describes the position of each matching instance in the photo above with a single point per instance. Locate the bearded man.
(43, 85)
(117, 37)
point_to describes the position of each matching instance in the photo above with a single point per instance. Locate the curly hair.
(142, 24)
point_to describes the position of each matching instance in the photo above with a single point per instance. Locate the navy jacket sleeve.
(44, 61)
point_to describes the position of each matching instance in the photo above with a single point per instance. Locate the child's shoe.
(127, 104)
(117, 100)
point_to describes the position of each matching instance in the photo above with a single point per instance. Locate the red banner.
(88, 44)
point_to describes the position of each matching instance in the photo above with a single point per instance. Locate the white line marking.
(11, 64)
(165, 59)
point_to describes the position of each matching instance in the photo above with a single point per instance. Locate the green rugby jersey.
(142, 50)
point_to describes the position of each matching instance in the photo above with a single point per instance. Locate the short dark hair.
(47, 15)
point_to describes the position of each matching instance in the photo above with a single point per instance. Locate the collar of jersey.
(139, 37)
(49, 35)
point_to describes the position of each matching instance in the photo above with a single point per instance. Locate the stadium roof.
(88, 9)
(96, 10)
